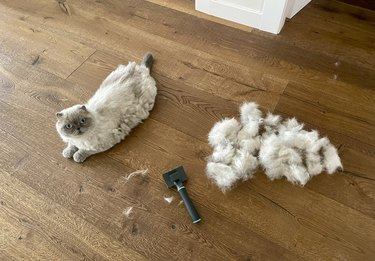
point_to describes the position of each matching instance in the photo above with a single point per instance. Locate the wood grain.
(48, 51)
(188, 7)
(320, 70)
(346, 36)
(154, 147)
(108, 216)
(175, 117)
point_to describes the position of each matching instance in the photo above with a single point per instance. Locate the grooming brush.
(176, 177)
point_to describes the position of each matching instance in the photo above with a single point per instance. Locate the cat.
(122, 101)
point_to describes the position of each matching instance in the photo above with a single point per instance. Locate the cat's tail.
(148, 60)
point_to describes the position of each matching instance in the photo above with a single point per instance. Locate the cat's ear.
(59, 115)
(83, 107)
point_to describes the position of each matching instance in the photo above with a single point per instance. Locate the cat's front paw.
(79, 156)
(68, 152)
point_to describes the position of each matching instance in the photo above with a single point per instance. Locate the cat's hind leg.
(81, 155)
(69, 151)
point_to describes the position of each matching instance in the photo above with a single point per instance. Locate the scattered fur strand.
(169, 200)
(128, 213)
(142, 173)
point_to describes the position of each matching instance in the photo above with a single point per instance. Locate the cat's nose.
(78, 129)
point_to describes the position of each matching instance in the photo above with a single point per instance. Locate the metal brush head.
(174, 175)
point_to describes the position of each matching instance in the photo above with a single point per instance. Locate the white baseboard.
(231, 12)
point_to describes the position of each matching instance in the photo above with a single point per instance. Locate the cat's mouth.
(78, 132)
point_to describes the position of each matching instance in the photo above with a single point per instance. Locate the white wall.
(266, 15)
(251, 4)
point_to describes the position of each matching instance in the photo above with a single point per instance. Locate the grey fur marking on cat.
(122, 101)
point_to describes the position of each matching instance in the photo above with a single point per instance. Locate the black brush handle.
(188, 203)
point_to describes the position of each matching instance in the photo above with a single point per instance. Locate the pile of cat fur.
(281, 148)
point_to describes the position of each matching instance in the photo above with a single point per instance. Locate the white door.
(266, 15)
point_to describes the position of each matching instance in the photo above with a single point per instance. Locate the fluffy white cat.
(122, 101)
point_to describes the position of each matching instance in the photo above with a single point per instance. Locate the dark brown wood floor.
(319, 69)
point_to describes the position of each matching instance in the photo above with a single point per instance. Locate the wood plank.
(175, 118)
(188, 7)
(359, 162)
(308, 29)
(167, 119)
(204, 70)
(53, 53)
(63, 181)
(23, 238)
(222, 208)
(99, 65)
(347, 14)
(356, 152)
(347, 32)
(189, 65)
(135, 152)
(243, 191)
(342, 128)
(13, 245)
(178, 105)
(253, 50)
(253, 215)
(359, 190)
(324, 96)
(361, 3)
(54, 217)
(249, 46)
(148, 212)
(284, 194)
(353, 102)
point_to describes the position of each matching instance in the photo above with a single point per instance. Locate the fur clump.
(235, 147)
(122, 101)
(283, 149)
(289, 151)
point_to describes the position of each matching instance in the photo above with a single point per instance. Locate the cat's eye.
(82, 120)
(68, 126)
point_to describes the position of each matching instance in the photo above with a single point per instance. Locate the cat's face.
(74, 121)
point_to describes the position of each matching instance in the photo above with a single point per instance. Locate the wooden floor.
(321, 69)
